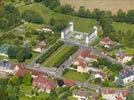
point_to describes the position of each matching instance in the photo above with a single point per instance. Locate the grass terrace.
(81, 24)
(73, 75)
(59, 56)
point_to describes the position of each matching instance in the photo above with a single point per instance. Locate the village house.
(106, 42)
(81, 94)
(122, 57)
(100, 75)
(43, 84)
(41, 45)
(82, 60)
(6, 66)
(111, 94)
(126, 76)
(21, 70)
(39, 79)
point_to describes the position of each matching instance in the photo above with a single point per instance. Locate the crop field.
(111, 5)
(58, 56)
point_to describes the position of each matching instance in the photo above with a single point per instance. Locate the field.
(81, 24)
(111, 5)
(73, 75)
(57, 56)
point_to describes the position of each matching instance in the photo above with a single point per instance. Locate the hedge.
(49, 52)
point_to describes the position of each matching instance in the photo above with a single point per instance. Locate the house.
(6, 66)
(81, 94)
(126, 76)
(82, 60)
(122, 57)
(39, 79)
(21, 70)
(81, 66)
(43, 84)
(111, 94)
(41, 45)
(87, 55)
(106, 42)
(70, 83)
(100, 75)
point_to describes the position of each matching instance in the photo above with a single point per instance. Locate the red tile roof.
(112, 91)
(44, 83)
(87, 53)
(69, 82)
(81, 63)
(106, 40)
(23, 70)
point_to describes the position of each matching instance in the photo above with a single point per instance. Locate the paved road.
(67, 63)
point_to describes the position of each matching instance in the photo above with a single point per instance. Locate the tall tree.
(106, 23)
(27, 79)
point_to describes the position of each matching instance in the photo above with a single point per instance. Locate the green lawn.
(41, 96)
(33, 26)
(26, 89)
(57, 56)
(123, 26)
(81, 24)
(73, 75)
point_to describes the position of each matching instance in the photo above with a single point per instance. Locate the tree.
(97, 81)
(96, 14)
(52, 4)
(27, 79)
(32, 16)
(3, 86)
(95, 64)
(60, 82)
(130, 16)
(60, 24)
(103, 61)
(15, 80)
(12, 52)
(27, 53)
(82, 12)
(121, 16)
(52, 22)
(130, 96)
(41, 36)
(20, 56)
(106, 23)
(67, 9)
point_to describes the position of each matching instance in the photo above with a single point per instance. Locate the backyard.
(71, 74)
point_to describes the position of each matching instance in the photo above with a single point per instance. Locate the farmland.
(111, 5)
